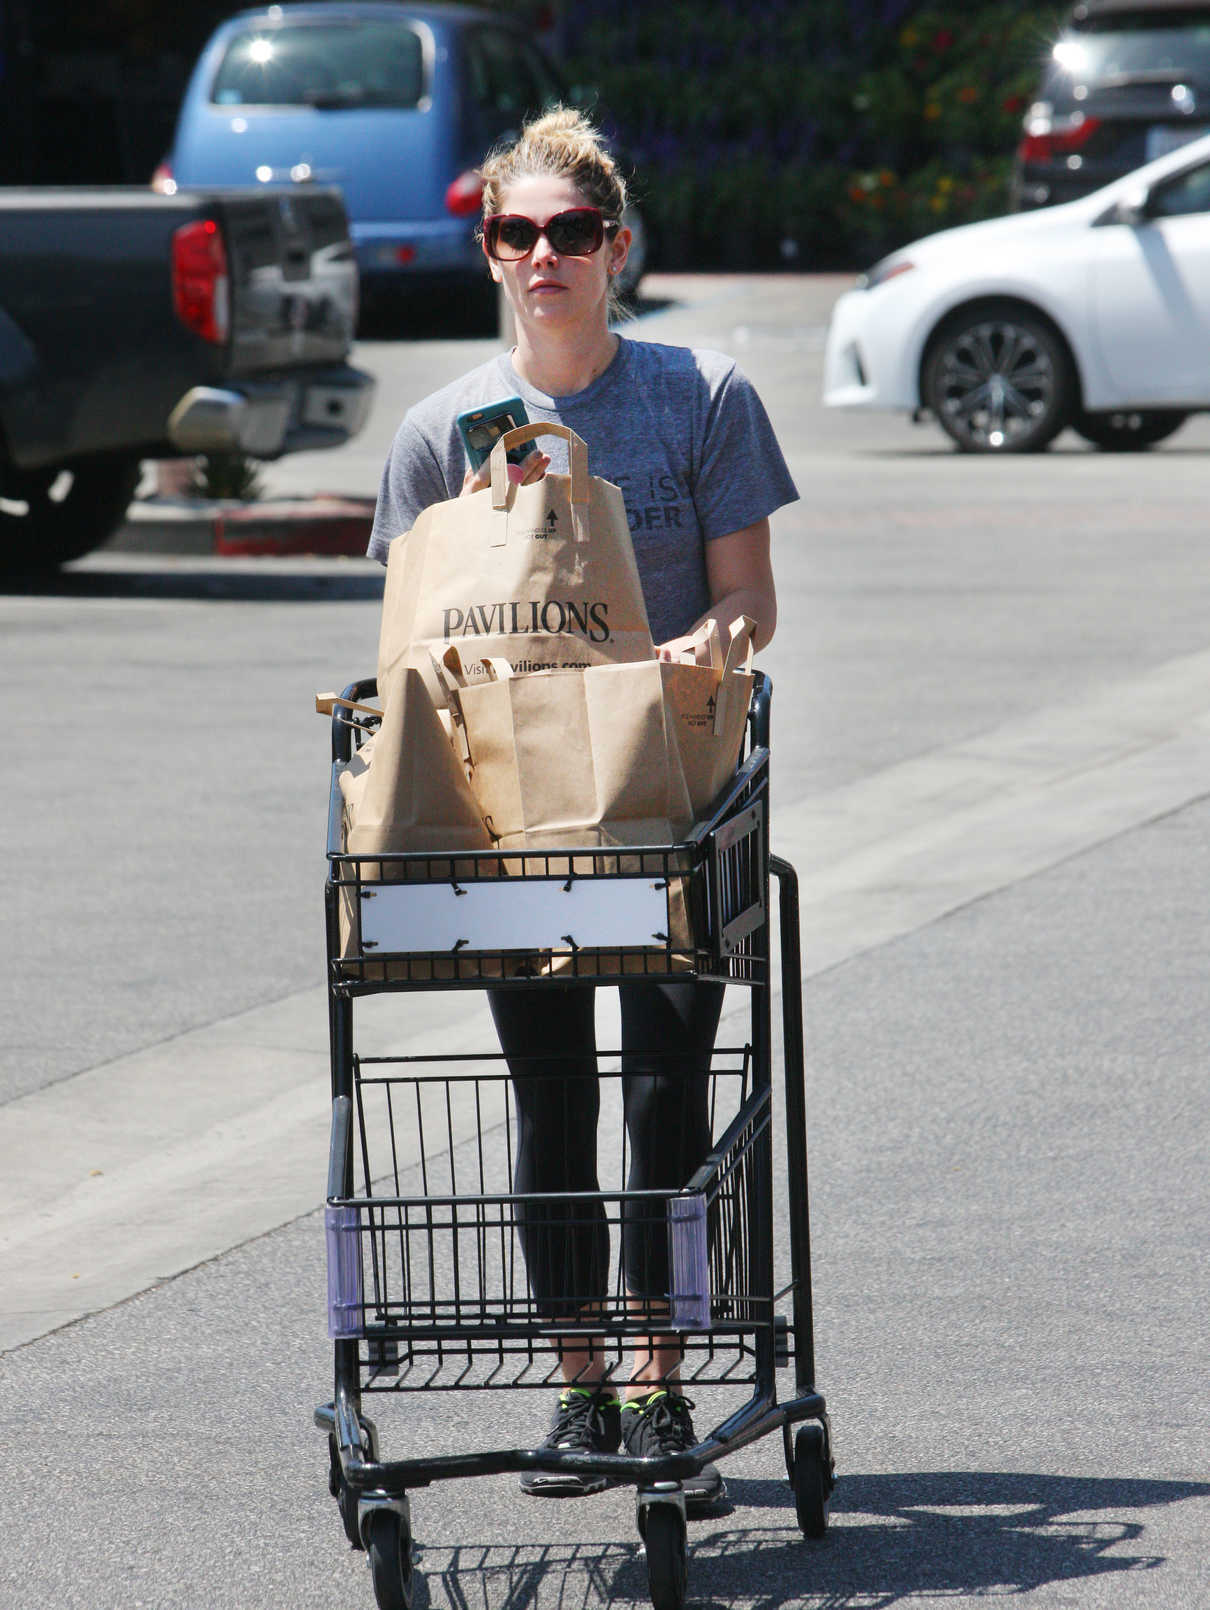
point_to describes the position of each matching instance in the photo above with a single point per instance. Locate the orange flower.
(932, 111)
(968, 94)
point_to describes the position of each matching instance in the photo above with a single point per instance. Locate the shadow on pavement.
(226, 579)
(1065, 448)
(640, 306)
(894, 1538)
(455, 315)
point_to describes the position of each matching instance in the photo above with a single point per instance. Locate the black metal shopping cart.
(427, 1288)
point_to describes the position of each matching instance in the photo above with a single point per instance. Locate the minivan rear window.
(343, 64)
(1132, 50)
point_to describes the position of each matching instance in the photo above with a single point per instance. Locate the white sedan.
(1094, 314)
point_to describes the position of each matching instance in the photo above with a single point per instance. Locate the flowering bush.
(942, 117)
(817, 135)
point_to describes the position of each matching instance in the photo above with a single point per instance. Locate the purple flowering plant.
(805, 133)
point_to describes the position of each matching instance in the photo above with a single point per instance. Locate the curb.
(323, 525)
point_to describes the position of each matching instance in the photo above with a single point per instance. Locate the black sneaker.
(661, 1424)
(584, 1420)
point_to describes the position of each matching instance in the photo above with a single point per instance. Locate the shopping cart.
(427, 1288)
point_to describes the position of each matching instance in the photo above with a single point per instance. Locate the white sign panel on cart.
(521, 914)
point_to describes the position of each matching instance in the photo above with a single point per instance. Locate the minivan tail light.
(464, 195)
(1047, 138)
(200, 284)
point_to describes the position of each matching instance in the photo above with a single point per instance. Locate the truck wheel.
(50, 516)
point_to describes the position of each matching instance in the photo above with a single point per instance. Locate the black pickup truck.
(142, 326)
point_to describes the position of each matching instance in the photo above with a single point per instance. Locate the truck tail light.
(1046, 138)
(200, 286)
(465, 194)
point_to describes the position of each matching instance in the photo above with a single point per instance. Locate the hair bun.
(561, 142)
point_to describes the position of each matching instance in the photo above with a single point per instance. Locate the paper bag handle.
(326, 703)
(705, 647)
(448, 666)
(743, 630)
(450, 675)
(739, 649)
(577, 452)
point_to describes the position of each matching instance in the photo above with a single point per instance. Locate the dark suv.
(1127, 81)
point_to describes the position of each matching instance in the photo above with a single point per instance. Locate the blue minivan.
(394, 103)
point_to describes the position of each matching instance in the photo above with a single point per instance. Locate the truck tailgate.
(118, 306)
(293, 276)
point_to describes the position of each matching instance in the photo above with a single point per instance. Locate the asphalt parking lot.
(991, 746)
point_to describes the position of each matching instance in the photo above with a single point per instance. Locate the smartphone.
(481, 428)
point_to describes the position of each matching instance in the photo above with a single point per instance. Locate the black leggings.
(668, 1032)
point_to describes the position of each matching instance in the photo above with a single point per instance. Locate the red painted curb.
(336, 527)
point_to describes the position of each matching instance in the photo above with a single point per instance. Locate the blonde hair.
(563, 144)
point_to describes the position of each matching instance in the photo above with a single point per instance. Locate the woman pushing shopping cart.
(486, 1252)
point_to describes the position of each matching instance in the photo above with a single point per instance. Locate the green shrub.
(225, 475)
(807, 133)
(942, 118)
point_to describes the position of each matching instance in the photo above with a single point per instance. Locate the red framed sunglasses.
(578, 232)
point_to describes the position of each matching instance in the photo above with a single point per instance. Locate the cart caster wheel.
(346, 1501)
(667, 1566)
(346, 1498)
(812, 1479)
(388, 1541)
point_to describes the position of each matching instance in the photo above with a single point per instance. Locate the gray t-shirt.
(682, 433)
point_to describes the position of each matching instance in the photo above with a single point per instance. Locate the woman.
(686, 439)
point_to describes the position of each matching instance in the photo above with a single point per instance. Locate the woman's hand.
(533, 467)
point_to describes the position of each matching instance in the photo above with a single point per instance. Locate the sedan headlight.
(888, 269)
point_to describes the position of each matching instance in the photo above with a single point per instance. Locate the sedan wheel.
(999, 381)
(1129, 430)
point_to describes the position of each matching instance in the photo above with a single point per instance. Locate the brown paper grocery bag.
(404, 790)
(542, 575)
(582, 760)
(579, 757)
(708, 709)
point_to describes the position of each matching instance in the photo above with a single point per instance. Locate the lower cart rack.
(433, 1285)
